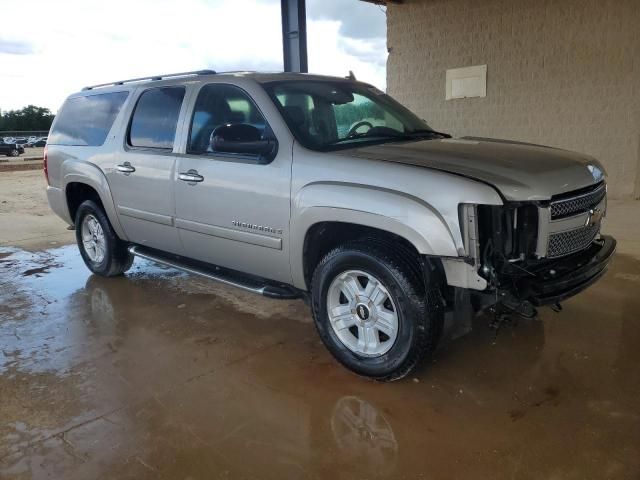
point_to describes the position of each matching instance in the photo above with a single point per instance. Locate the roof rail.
(154, 77)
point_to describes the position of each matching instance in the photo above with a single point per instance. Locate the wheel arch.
(84, 181)
(353, 210)
(76, 193)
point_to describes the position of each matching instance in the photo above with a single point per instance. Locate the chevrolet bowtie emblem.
(594, 217)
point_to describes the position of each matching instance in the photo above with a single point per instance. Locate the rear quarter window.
(86, 121)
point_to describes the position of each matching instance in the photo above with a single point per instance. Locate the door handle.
(125, 168)
(191, 176)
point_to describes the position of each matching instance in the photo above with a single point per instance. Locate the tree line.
(27, 118)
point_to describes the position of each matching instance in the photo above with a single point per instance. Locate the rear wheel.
(101, 249)
(373, 311)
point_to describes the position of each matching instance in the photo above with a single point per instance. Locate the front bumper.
(557, 280)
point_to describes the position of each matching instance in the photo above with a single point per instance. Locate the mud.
(163, 375)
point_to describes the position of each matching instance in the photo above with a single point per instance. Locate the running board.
(219, 274)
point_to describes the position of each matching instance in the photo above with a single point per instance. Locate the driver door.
(232, 209)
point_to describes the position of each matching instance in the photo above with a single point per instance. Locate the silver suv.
(293, 185)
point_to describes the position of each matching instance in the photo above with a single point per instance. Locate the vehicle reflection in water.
(101, 306)
(365, 435)
(241, 410)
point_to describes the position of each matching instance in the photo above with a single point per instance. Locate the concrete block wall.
(564, 73)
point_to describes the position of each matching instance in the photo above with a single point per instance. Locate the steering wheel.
(364, 123)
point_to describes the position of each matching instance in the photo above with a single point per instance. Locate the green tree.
(27, 118)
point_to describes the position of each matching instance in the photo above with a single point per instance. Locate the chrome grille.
(574, 205)
(564, 243)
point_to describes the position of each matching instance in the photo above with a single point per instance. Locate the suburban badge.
(253, 226)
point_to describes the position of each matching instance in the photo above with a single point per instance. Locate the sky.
(59, 46)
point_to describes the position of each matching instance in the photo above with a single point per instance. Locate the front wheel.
(14, 153)
(374, 311)
(101, 249)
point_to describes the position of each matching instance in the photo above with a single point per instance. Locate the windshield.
(330, 115)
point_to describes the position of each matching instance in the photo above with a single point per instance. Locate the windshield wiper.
(365, 135)
(427, 131)
(412, 135)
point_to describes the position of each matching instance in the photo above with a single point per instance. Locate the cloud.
(332, 54)
(357, 19)
(372, 51)
(16, 47)
(162, 36)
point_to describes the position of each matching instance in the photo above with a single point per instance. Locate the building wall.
(559, 72)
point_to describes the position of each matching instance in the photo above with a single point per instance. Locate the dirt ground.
(25, 217)
(159, 374)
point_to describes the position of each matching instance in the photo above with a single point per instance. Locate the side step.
(233, 278)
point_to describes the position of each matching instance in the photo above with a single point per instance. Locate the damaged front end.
(537, 253)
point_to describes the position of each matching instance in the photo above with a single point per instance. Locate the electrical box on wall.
(466, 82)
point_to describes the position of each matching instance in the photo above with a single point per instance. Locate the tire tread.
(423, 299)
(120, 260)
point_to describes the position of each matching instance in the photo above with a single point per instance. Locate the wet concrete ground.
(163, 375)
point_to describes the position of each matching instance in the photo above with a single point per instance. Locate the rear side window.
(86, 121)
(154, 120)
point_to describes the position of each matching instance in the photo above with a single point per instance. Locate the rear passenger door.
(232, 209)
(142, 179)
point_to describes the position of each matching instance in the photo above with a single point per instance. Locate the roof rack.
(154, 77)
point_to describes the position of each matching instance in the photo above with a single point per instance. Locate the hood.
(520, 171)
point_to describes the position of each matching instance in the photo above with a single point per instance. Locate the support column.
(294, 35)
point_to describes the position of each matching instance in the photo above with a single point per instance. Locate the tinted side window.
(219, 104)
(154, 120)
(86, 121)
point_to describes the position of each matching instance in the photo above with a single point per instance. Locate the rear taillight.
(45, 168)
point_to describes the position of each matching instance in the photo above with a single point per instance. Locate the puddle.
(158, 374)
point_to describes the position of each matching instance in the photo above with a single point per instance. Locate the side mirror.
(242, 138)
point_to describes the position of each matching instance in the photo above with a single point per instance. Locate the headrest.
(235, 117)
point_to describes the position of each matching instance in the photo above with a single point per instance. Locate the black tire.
(117, 258)
(418, 304)
(14, 153)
